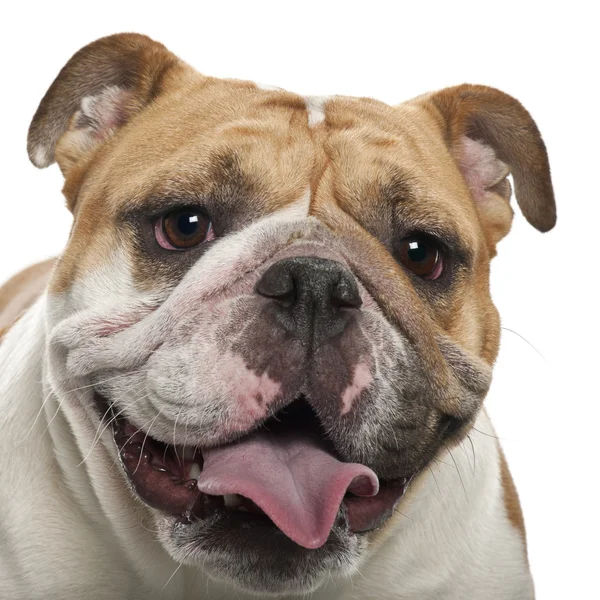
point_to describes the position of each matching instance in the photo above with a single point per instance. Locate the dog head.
(280, 304)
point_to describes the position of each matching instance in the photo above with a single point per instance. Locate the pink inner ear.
(480, 166)
(104, 112)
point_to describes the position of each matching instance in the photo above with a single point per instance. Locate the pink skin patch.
(106, 110)
(480, 167)
(361, 380)
(252, 392)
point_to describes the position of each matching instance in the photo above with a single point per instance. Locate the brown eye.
(182, 229)
(422, 257)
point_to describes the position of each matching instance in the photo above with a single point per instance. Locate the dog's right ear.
(98, 91)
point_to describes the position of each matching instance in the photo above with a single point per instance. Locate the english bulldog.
(258, 368)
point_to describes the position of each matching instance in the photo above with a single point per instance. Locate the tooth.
(195, 471)
(232, 500)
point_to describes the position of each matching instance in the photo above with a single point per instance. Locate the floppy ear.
(99, 90)
(491, 135)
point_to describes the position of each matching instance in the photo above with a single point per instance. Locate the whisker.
(52, 391)
(114, 417)
(144, 441)
(100, 431)
(185, 437)
(473, 451)
(487, 434)
(435, 480)
(35, 420)
(139, 428)
(527, 342)
(457, 470)
(451, 456)
(143, 525)
(95, 383)
(53, 417)
(397, 510)
(173, 575)
(462, 445)
(174, 435)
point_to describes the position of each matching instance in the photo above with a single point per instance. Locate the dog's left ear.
(491, 135)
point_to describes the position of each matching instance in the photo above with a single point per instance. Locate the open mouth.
(285, 474)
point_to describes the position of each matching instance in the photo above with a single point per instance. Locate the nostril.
(286, 298)
(345, 294)
(279, 284)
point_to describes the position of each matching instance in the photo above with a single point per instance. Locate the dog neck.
(453, 528)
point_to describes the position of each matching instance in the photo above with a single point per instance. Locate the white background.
(544, 401)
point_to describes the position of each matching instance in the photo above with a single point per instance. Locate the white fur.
(315, 106)
(109, 284)
(66, 531)
(453, 540)
(300, 208)
(41, 157)
(267, 87)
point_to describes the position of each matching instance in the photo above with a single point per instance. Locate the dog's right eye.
(183, 228)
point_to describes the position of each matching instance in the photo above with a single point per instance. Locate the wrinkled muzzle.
(280, 315)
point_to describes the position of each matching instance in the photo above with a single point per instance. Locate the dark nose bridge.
(312, 297)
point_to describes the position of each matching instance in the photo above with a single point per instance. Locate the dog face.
(281, 305)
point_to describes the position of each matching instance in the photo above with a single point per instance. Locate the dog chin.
(255, 559)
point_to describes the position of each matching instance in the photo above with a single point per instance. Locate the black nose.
(311, 296)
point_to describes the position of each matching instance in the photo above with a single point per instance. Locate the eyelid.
(449, 243)
(161, 238)
(154, 207)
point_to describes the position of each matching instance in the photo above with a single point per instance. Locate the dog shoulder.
(21, 291)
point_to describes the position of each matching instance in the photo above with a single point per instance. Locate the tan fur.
(500, 121)
(511, 497)
(21, 291)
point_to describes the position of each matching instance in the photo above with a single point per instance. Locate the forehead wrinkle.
(165, 154)
(402, 163)
(195, 179)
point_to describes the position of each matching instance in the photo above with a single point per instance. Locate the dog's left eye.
(183, 228)
(421, 256)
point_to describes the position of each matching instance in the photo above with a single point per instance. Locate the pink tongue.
(296, 482)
